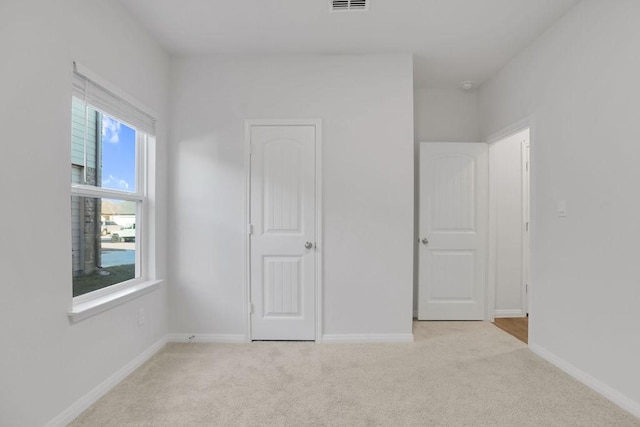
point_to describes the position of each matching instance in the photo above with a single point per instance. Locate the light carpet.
(455, 374)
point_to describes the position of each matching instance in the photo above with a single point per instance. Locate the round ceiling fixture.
(467, 85)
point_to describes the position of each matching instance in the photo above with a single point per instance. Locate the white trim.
(82, 404)
(598, 386)
(526, 230)
(246, 291)
(509, 313)
(319, 247)
(511, 130)
(532, 222)
(284, 122)
(366, 338)
(317, 123)
(91, 307)
(207, 338)
(492, 241)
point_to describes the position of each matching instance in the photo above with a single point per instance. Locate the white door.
(453, 231)
(283, 235)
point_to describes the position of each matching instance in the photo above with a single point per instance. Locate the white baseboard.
(208, 338)
(509, 313)
(366, 338)
(598, 386)
(80, 405)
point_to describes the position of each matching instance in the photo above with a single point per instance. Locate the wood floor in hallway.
(516, 326)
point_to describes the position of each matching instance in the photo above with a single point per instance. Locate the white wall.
(446, 115)
(441, 114)
(366, 104)
(506, 178)
(580, 81)
(46, 364)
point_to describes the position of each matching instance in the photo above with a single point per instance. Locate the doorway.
(284, 235)
(474, 228)
(509, 225)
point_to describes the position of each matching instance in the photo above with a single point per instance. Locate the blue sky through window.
(118, 155)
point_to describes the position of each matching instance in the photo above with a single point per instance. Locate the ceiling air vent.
(349, 5)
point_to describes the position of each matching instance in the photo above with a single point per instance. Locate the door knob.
(308, 245)
(425, 241)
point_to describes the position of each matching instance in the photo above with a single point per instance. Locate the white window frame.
(94, 302)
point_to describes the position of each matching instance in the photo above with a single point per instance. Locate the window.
(109, 139)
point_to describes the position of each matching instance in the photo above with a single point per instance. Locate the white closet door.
(283, 236)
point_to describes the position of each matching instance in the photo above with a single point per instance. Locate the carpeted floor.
(455, 374)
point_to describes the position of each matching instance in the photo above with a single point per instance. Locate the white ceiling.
(452, 40)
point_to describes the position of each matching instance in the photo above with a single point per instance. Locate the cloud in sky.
(115, 183)
(110, 130)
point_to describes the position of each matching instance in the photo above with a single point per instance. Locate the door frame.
(519, 126)
(317, 123)
(526, 215)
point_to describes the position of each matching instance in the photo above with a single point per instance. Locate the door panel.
(453, 223)
(282, 201)
(282, 286)
(452, 276)
(282, 213)
(453, 204)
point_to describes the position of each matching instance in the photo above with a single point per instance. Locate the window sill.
(86, 309)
